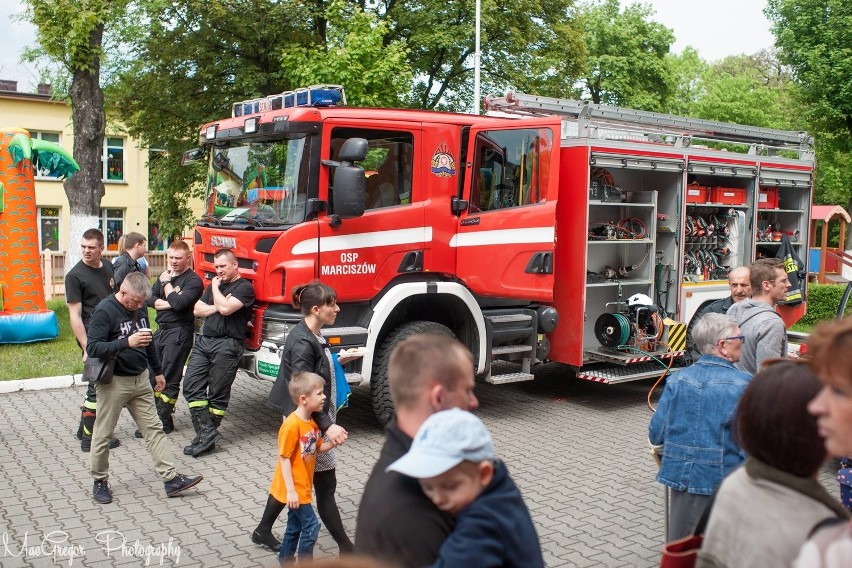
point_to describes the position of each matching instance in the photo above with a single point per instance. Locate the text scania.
(349, 265)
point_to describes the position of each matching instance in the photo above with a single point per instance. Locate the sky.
(716, 28)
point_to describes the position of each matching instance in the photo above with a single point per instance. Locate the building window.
(114, 159)
(43, 170)
(48, 228)
(113, 220)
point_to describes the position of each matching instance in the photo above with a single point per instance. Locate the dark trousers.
(211, 371)
(173, 346)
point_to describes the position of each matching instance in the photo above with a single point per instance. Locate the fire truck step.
(612, 374)
(510, 378)
(503, 349)
(509, 318)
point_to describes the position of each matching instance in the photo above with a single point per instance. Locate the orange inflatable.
(24, 316)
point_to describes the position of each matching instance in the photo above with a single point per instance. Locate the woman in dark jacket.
(307, 350)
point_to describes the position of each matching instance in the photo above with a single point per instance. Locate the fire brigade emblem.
(443, 163)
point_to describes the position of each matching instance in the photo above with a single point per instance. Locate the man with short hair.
(226, 308)
(86, 284)
(738, 281)
(764, 330)
(119, 328)
(128, 261)
(174, 295)
(396, 522)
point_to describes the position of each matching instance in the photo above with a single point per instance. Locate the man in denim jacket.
(693, 422)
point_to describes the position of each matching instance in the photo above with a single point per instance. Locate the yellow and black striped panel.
(677, 336)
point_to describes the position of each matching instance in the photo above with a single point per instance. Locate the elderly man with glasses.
(691, 427)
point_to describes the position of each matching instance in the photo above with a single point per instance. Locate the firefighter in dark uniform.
(86, 284)
(174, 295)
(226, 308)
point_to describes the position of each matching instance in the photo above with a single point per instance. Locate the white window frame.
(40, 135)
(104, 223)
(40, 216)
(105, 159)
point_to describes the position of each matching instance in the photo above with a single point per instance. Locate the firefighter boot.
(80, 426)
(195, 424)
(165, 411)
(217, 419)
(88, 427)
(207, 432)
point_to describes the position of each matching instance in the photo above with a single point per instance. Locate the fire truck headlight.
(250, 126)
(210, 134)
(277, 330)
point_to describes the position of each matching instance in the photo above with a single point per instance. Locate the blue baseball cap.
(445, 439)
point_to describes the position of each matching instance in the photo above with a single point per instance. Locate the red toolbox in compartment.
(768, 198)
(728, 195)
(697, 193)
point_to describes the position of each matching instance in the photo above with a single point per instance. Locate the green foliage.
(823, 300)
(529, 45)
(687, 69)
(627, 57)
(815, 39)
(355, 55)
(742, 89)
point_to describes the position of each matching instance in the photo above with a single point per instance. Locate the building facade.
(124, 206)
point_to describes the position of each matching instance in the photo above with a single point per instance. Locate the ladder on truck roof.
(653, 125)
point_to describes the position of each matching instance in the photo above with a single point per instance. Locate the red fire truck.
(547, 230)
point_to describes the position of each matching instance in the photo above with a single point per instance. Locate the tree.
(72, 33)
(191, 59)
(815, 39)
(526, 44)
(746, 89)
(687, 69)
(356, 56)
(627, 64)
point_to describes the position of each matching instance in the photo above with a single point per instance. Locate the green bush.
(823, 301)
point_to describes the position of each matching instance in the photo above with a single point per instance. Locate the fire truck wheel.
(382, 404)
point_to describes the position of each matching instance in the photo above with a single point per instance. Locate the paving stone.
(591, 491)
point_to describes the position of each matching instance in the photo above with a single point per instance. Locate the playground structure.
(826, 263)
(24, 316)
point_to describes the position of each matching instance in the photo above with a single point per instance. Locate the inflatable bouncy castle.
(24, 316)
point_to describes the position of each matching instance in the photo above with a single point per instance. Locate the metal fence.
(53, 269)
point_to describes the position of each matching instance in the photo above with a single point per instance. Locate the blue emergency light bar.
(313, 96)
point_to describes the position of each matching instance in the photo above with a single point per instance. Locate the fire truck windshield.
(258, 183)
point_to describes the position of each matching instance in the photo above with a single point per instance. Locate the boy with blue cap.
(453, 458)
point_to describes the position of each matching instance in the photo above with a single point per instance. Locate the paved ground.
(576, 449)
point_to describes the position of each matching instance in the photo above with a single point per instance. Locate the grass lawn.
(60, 356)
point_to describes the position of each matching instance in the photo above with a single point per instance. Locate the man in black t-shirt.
(226, 306)
(86, 284)
(174, 295)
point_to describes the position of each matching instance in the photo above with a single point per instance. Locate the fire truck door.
(505, 239)
(360, 256)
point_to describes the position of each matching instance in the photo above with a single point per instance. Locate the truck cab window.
(388, 166)
(512, 168)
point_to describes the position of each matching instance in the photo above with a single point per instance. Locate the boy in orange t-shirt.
(299, 440)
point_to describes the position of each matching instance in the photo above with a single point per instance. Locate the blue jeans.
(302, 531)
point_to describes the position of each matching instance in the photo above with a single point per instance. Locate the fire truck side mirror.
(353, 150)
(349, 182)
(192, 156)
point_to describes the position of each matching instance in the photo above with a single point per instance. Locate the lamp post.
(476, 57)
